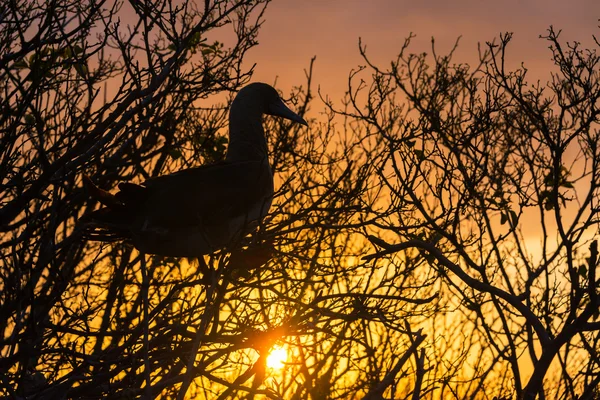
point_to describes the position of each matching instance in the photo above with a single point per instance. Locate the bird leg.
(145, 289)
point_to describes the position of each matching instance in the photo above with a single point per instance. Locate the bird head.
(266, 98)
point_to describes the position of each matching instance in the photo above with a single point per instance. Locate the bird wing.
(207, 195)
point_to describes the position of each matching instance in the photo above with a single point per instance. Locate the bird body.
(199, 210)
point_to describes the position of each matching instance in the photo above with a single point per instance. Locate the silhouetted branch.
(377, 391)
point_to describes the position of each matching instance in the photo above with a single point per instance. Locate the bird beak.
(281, 110)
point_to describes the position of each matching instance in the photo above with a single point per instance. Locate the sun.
(276, 358)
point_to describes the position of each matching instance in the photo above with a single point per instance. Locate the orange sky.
(295, 30)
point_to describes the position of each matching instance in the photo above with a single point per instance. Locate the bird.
(197, 211)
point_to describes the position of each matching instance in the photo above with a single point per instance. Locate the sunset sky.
(294, 31)
(434, 241)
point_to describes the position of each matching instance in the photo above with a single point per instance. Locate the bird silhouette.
(199, 210)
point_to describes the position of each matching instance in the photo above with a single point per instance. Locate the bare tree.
(85, 93)
(493, 184)
(441, 167)
(109, 89)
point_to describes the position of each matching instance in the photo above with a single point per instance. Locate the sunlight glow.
(277, 358)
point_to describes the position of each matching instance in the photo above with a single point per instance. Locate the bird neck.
(246, 137)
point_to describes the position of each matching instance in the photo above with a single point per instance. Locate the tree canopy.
(433, 234)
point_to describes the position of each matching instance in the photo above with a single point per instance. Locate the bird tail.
(104, 197)
(108, 224)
